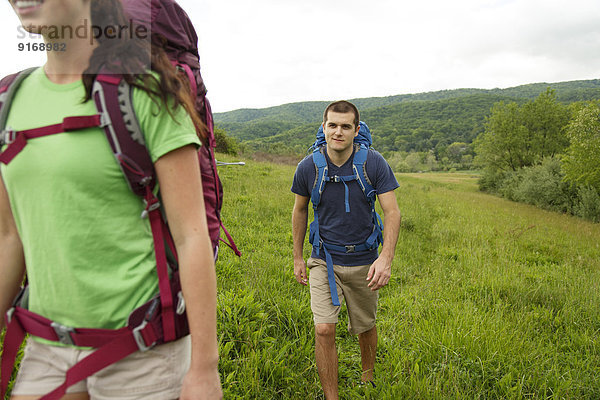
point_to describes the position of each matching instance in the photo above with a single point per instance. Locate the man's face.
(339, 131)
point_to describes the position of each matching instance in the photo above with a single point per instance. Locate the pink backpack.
(169, 21)
(163, 318)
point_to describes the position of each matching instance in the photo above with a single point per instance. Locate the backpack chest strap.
(343, 179)
(17, 140)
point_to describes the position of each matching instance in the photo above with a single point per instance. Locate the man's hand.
(381, 269)
(300, 271)
(299, 221)
(379, 274)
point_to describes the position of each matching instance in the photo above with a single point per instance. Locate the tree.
(456, 150)
(581, 163)
(431, 162)
(413, 160)
(502, 145)
(517, 137)
(545, 120)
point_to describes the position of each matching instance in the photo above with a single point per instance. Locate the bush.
(588, 206)
(401, 166)
(509, 185)
(225, 144)
(491, 180)
(543, 186)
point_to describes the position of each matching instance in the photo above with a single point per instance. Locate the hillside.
(313, 110)
(403, 122)
(406, 126)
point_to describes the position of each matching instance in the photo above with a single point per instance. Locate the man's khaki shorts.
(351, 283)
(156, 374)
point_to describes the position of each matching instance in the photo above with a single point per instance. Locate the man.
(344, 220)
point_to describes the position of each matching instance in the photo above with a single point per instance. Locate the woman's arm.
(12, 266)
(181, 191)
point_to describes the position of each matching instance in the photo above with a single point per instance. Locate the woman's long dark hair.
(129, 55)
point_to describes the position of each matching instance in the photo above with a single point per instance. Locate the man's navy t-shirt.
(336, 226)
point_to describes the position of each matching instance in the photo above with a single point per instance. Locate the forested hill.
(404, 122)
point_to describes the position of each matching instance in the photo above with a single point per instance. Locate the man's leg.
(327, 359)
(368, 349)
(362, 313)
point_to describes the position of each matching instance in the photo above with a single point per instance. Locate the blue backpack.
(362, 143)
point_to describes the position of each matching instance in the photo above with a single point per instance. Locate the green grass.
(489, 299)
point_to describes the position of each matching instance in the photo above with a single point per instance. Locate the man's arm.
(12, 267)
(381, 269)
(299, 221)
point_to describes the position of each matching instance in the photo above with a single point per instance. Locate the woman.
(66, 212)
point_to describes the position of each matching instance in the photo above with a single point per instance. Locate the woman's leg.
(70, 396)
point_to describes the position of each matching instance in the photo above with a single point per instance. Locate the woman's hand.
(201, 386)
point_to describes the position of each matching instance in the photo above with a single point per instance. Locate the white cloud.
(268, 52)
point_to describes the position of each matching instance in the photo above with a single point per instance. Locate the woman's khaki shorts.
(351, 283)
(156, 374)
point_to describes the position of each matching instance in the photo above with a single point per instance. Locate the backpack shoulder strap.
(360, 169)
(359, 164)
(8, 87)
(112, 95)
(321, 168)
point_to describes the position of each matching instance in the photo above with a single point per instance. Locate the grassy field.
(489, 299)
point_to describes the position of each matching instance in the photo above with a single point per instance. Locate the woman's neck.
(67, 66)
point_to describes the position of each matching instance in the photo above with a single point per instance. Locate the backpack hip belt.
(144, 330)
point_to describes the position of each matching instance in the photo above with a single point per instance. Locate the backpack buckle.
(104, 120)
(180, 304)
(149, 207)
(335, 178)
(9, 315)
(139, 339)
(63, 332)
(8, 136)
(350, 248)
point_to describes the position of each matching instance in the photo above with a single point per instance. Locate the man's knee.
(325, 331)
(368, 332)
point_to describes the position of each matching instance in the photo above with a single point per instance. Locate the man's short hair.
(342, 106)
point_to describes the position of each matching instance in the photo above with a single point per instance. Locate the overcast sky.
(261, 53)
